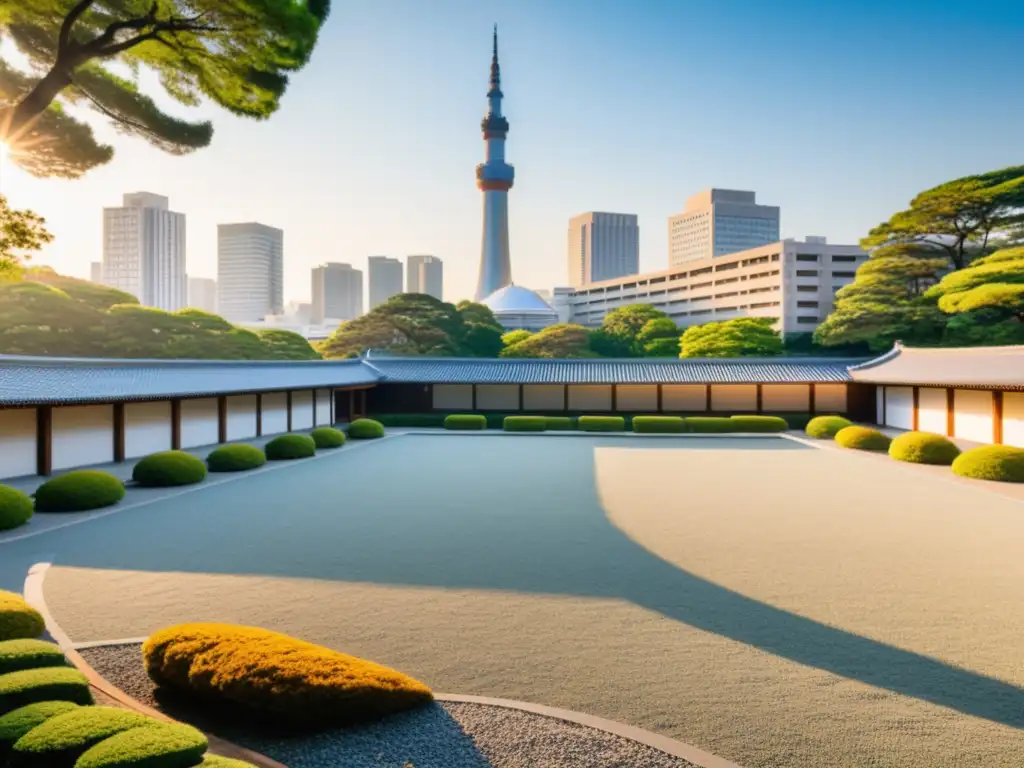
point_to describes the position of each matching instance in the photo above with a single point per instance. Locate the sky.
(837, 112)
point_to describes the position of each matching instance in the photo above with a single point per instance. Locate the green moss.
(160, 745)
(45, 684)
(1001, 463)
(365, 429)
(826, 427)
(659, 424)
(710, 424)
(27, 653)
(216, 761)
(15, 508)
(862, 439)
(410, 419)
(923, 448)
(235, 458)
(18, 619)
(290, 446)
(465, 421)
(601, 423)
(560, 423)
(525, 424)
(20, 721)
(169, 468)
(79, 491)
(759, 423)
(327, 437)
(62, 739)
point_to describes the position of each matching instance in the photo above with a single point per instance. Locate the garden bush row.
(562, 422)
(607, 423)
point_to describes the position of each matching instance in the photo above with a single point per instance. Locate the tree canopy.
(21, 233)
(562, 340)
(235, 53)
(742, 337)
(622, 329)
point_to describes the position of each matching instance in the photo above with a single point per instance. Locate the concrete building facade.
(425, 274)
(717, 222)
(250, 271)
(96, 271)
(602, 246)
(144, 251)
(337, 291)
(202, 294)
(385, 279)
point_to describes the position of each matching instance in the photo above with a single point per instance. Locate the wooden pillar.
(915, 419)
(288, 408)
(44, 440)
(565, 397)
(660, 399)
(760, 398)
(615, 398)
(520, 397)
(259, 414)
(472, 389)
(331, 393)
(119, 442)
(950, 413)
(351, 405)
(314, 406)
(812, 394)
(997, 418)
(707, 398)
(176, 424)
(362, 402)
(222, 419)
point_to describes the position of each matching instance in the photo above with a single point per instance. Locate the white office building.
(602, 246)
(425, 274)
(385, 278)
(250, 271)
(144, 251)
(202, 294)
(337, 291)
(96, 271)
(718, 222)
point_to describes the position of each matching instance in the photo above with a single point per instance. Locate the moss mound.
(561, 423)
(290, 446)
(18, 619)
(27, 653)
(365, 429)
(269, 675)
(235, 458)
(62, 739)
(710, 424)
(659, 424)
(45, 684)
(327, 437)
(79, 491)
(20, 721)
(156, 745)
(15, 508)
(1002, 463)
(465, 421)
(862, 439)
(601, 423)
(169, 468)
(216, 761)
(923, 448)
(524, 424)
(826, 427)
(759, 423)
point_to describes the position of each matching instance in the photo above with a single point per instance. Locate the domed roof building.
(518, 308)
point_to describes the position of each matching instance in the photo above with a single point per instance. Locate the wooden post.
(472, 389)
(314, 408)
(222, 419)
(997, 417)
(615, 398)
(565, 397)
(351, 405)
(288, 408)
(812, 394)
(707, 398)
(44, 440)
(259, 414)
(950, 413)
(362, 403)
(119, 442)
(915, 419)
(760, 398)
(176, 424)
(332, 394)
(660, 399)
(520, 397)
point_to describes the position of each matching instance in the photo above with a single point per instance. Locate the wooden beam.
(997, 417)
(915, 418)
(288, 408)
(176, 424)
(760, 398)
(707, 398)
(119, 441)
(660, 399)
(812, 394)
(615, 397)
(950, 413)
(44, 440)
(259, 414)
(222, 419)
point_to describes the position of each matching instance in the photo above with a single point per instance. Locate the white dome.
(515, 298)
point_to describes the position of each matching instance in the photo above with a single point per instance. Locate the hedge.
(28, 653)
(710, 424)
(659, 424)
(20, 721)
(62, 739)
(759, 423)
(45, 684)
(561, 423)
(169, 468)
(525, 424)
(235, 458)
(269, 675)
(18, 619)
(365, 429)
(216, 761)
(862, 439)
(601, 423)
(923, 448)
(826, 427)
(410, 419)
(327, 437)
(79, 491)
(15, 507)
(1002, 463)
(290, 446)
(156, 745)
(465, 421)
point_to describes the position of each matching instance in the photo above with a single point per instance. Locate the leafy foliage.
(155, 745)
(862, 439)
(29, 653)
(169, 468)
(79, 491)
(61, 740)
(986, 299)
(20, 721)
(709, 424)
(465, 421)
(21, 232)
(659, 424)
(235, 458)
(365, 429)
(290, 446)
(744, 336)
(601, 423)
(826, 427)
(759, 423)
(15, 508)
(561, 340)
(524, 424)
(1002, 463)
(923, 448)
(30, 686)
(327, 437)
(659, 338)
(514, 337)
(628, 330)
(18, 619)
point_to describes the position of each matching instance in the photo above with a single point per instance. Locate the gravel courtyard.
(768, 602)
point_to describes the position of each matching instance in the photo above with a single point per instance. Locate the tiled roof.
(997, 367)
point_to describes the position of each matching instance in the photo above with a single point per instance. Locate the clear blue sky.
(837, 112)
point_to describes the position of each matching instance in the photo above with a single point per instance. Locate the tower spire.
(495, 69)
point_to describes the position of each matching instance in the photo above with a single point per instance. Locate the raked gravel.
(444, 735)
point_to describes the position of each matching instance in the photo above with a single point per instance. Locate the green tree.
(85, 291)
(235, 53)
(514, 337)
(37, 319)
(742, 337)
(605, 344)
(624, 325)
(21, 233)
(659, 338)
(562, 340)
(286, 345)
(406, 324)
(481, 334)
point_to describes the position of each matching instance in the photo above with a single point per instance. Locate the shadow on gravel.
(492, 513)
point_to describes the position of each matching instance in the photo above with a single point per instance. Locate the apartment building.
(250, 271)
(602, 246)
(717, 222)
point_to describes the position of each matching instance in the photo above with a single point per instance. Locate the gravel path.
(445, 735)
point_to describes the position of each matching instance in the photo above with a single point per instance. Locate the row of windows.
(815, 273)
(683, 275)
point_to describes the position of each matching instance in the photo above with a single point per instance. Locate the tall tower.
(494, 178)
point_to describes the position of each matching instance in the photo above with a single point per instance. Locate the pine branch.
(69, 21)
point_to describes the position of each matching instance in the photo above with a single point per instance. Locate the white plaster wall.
(453, 397)
(17, 442)
(1013, 419)
(830, 398)
(931, 410)
(497, 397)
(275, 413)
(899, 407)
(590, 397)
(198, 422)
(241, 417)
(82, 434)
(972, 415)
(793, 398)
(543, 397)
(147, 428)
(302, 410)
(733, 397)
(684, 397)
(323, 407)
(636, 397)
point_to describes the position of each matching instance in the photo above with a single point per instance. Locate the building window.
(807, 304)
(807, 257)
(845, 259)
(809, 273)
(807, 289)
(806, 319)
(842, 274)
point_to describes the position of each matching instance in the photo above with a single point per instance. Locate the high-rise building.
(494, 177)
(720, 221)
(202, 294)
(144, 251)
(385, 276)
(425, 274)
(250, 271)
(603, 246)
(337, 292)
(96, 271)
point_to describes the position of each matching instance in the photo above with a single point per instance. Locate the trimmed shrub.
(290, 446)
(1002, 463)
(465, 421)
(327, 437)
(601, 423)
(20, 721)
(273, 676)
(659, 424)
(216, 761)
(862, 439)
(15, 507)
(79, 491)
(525, 424)
(156, 745)
(45, 684)
(759, 423)
(62, 739)
(365, 429)
(710, 424)
(410, 419)
(923, 448)
(235, 458)
(796, 420)
(562, 423)
(826, 427)
(16, 655)
(18, 619)
(169, 468)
